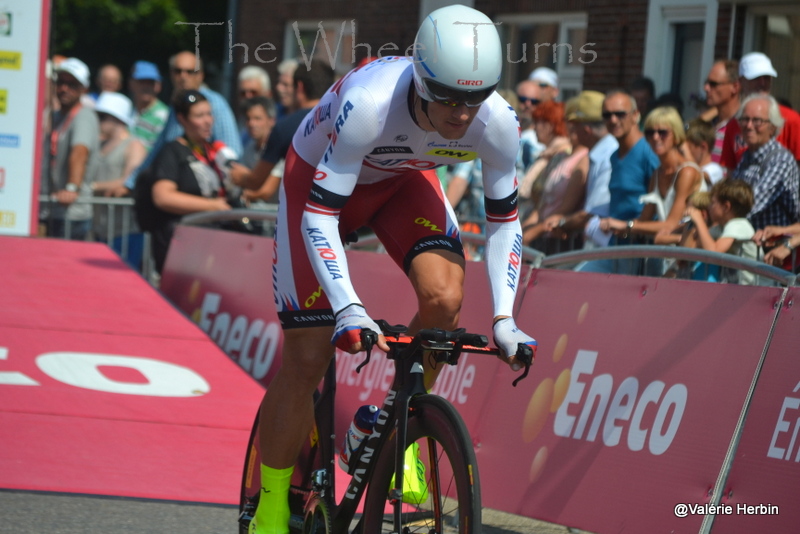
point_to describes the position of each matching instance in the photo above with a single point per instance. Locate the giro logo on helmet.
(470, 82)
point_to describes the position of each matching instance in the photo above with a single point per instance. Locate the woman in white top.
(672, 183)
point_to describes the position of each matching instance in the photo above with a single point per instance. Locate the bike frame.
(393, 415)
(407, 354)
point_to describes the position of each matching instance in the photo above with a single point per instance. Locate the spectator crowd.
(594, 170)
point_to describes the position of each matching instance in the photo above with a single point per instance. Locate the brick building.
(593, 44)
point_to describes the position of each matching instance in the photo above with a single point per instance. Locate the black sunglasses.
(618, 114)
(176, 70)
(714, 84)
(72, 84)
(441, 94)
(525, 99)
(651, 132)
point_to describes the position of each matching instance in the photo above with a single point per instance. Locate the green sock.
(272, 515)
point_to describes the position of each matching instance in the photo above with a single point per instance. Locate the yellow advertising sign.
(8, 219)
(10, 60)
(3, 101)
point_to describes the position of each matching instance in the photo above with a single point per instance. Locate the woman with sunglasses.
(673, 181)
(186, 177)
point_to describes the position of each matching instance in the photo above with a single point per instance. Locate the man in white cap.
(541, 86)
(547, 80)
(74, 143)
(755, 77)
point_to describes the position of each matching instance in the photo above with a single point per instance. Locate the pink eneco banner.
(628, 412)
(763, 489)
(637, 389)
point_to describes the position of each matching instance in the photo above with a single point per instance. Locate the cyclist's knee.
(441, 303)
(438, 279)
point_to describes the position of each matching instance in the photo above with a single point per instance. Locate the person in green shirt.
(151, 113)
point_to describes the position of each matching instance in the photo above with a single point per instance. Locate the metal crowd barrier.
(764, 273)
(119, 210)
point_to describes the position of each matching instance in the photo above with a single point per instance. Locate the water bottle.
(361, 427)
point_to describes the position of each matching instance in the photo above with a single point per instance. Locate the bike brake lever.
(525, 356)
(368, 340)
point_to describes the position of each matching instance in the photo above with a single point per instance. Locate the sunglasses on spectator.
(714, 84)
(651, 132)
(72, 84)
(178, 72)
(525, 100)
(248, 93)
(757, 121)
(618, 114)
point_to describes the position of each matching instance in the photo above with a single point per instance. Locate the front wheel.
(446, 498)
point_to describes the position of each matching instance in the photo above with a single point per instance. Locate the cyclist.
(366, 155)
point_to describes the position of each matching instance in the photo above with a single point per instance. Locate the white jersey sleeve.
(498, 151)
(356, 127)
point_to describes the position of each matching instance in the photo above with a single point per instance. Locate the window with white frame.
(775, 31)
(330, 41)
(679, 49)
(555, 40)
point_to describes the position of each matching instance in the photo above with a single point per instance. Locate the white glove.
(349, 323)
(507, 336)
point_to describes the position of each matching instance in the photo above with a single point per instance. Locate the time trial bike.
(447, 496)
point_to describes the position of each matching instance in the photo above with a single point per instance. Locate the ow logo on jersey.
(320, 114)
(340, 120)
(463, 155)
(422, 221)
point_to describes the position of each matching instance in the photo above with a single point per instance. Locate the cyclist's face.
(451, 122)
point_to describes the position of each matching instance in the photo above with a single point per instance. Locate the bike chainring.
(317, 517)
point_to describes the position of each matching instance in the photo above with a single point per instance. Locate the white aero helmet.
(457, 57)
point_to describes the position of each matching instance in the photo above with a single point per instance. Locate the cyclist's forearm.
(503, 262)
(327, 257)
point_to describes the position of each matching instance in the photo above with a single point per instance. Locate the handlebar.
(448, 344)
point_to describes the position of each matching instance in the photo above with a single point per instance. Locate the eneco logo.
(589, 406)
(251, 343)
(619, 409)
(784, 442)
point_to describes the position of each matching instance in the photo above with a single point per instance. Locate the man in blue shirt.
(633, 164)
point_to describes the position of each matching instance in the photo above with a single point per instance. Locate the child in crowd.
(731, 201)
(683, 235)
(700, 138)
